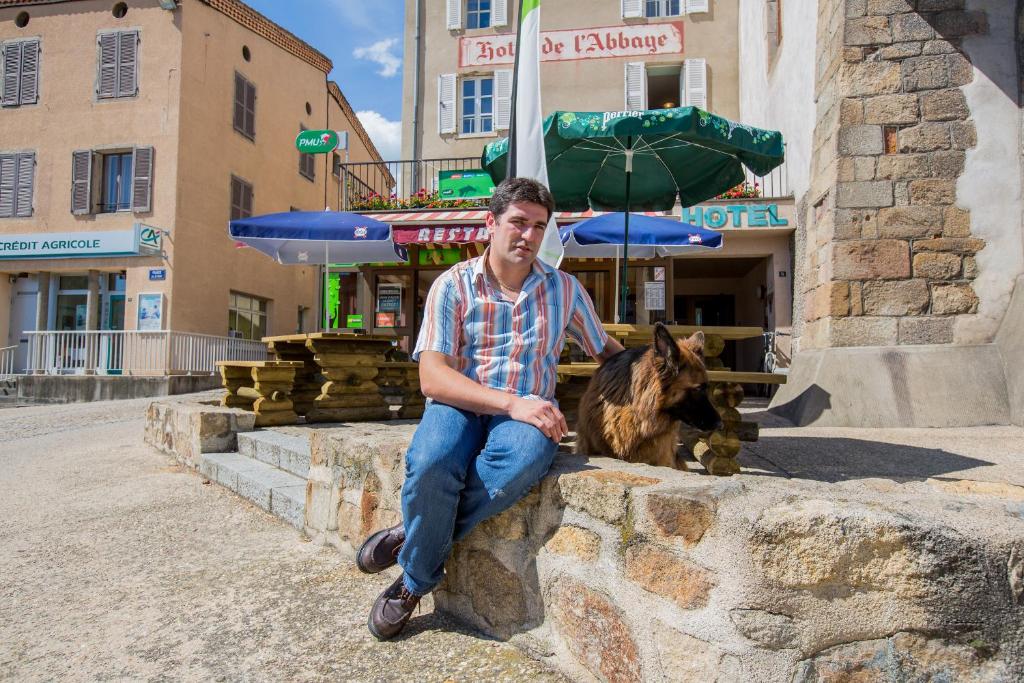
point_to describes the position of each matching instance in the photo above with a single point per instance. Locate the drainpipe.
(416, 97)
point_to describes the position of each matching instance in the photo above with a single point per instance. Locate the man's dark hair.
(514, 190)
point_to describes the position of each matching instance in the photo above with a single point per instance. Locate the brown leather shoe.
(380, 550)
(391, 611)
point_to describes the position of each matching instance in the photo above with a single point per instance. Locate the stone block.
(954, 298)
(658, 571)
(961, 71)
(926, 330)
(685, 658)
(900, 193)
(872, 78)
(956, 222)
(886, 7)
(867, 31)
(944, 105)
(496, 593)
(937, 265)
(866, 194)
(860, 140)
(959, 23)
(891, 110)
(680, 515)
(881, 259)
(851, 112)
(600, 493)
(938, 47)
(774, 631)
(573, 541)
(856, 8)
(854, 55)
(864, 331)
(938, 5)
(911, 27)
(943, 164)
(864, 168)
(900, 50)
(925, 73)
(970, 267)
(960, 245)
(595, 631)
(963, 134)
(896, 297)
(933, 192)
(856, 298)
(905, 222)
(926, 137)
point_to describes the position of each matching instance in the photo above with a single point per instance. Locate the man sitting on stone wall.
(493, 329)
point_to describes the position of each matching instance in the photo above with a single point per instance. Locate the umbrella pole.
(625, 235)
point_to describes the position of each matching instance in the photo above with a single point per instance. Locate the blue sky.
(364, 41)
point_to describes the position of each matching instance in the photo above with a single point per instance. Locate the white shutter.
(446, 103)
(106, 79)
(693, 6)
(142, 179)
(636, 86)
(502, 99)
(26, 166)
(694, 86)
(632, 9)
(81, 181)
(8, 170)
(454, 14)
(127, 63)
(12, 74)
(499, 12)
(29, 73)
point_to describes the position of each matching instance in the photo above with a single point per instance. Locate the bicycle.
(769, 361)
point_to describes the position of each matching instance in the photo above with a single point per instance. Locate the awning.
(474, 216)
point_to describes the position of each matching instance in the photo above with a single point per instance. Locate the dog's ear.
(696, 344)
(665, 345)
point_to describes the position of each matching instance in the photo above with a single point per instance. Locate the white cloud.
(380, 52)
(386, 135)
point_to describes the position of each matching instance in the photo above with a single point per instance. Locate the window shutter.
(632, 9)
(446, 103)
(454, 14)
(499, 12)
(502, 99)
(24, 184)
(236, 198)
(106, 80)
(239, 117)
(12, 73)
(127, 62)
(250, 109)
(8, 169)
(695, 84)
(693, 6)
(246, 200)
(636, 86)
(81, 181)
(29, 73)
(142, 179)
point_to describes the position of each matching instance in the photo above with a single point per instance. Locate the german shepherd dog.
(635, 402)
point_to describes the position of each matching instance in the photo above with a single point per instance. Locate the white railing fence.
(7, 361)
(130, 352)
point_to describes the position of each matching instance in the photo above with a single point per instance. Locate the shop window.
(117, 64)
(307, 162)
(17, 183)
(247, 316)
(20, 66)
(478, 13)
(478, 105)
(241, 198)
(245, 107)
(663, 8)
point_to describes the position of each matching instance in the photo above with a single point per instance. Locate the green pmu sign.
(316, 141)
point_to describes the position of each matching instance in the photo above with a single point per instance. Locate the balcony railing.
(7, 361)
(414, 184)
(130, 352)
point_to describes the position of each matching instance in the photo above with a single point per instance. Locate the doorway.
(24, 304)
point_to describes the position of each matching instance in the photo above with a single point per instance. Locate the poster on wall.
(151, 312)
(654, 296)
(389, 298)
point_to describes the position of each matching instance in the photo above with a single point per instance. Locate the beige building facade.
(130, 134)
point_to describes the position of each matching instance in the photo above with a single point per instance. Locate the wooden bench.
(262, 386)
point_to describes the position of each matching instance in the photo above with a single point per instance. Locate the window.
(241, 198)
(20, 72)
(663, 8)
(124, 180)
(773, 28)
(660, 86)
(478, 13)
(336, 164)
(116, 193)
(307, 162)
(117, 64)
(478, 105)
(247, 316)
(17, 179)
(245, 107)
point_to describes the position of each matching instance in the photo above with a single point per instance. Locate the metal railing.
(131, 352)
(408, 184)
(7, 361)
(775, 185)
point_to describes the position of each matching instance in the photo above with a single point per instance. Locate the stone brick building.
(909, 296)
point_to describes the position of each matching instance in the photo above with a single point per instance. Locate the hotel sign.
(72, 244)
(726, 216)
(589, 43)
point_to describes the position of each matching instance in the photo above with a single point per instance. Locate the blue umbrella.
(649, 237)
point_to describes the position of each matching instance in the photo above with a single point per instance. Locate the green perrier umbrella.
(643, 160)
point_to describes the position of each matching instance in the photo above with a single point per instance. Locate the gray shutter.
(236, 198)
(29, 72)
(81, 181)
(24, 184)
(106, 79)
(8, 169)
(12, 73)
(250, 109)
(142, 179)
(446, 122)
(246, 200)
(695, 83)
(239, 117)
(636, 86)
(127, 63)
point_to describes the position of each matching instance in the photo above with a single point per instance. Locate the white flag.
(530, 161)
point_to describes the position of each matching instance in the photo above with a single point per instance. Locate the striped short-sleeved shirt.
(506, 345)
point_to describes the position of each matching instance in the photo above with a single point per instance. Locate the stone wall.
(185, 430)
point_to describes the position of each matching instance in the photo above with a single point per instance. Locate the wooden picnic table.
(262, 386)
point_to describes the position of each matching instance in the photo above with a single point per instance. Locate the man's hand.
(541, 414)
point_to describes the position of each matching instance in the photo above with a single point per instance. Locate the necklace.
(501, 285)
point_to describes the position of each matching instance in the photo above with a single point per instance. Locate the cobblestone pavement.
(116, 563)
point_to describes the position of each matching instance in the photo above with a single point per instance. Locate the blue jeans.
(460, 469)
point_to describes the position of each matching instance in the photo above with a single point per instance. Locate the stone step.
(278, 492)
(289, 453)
